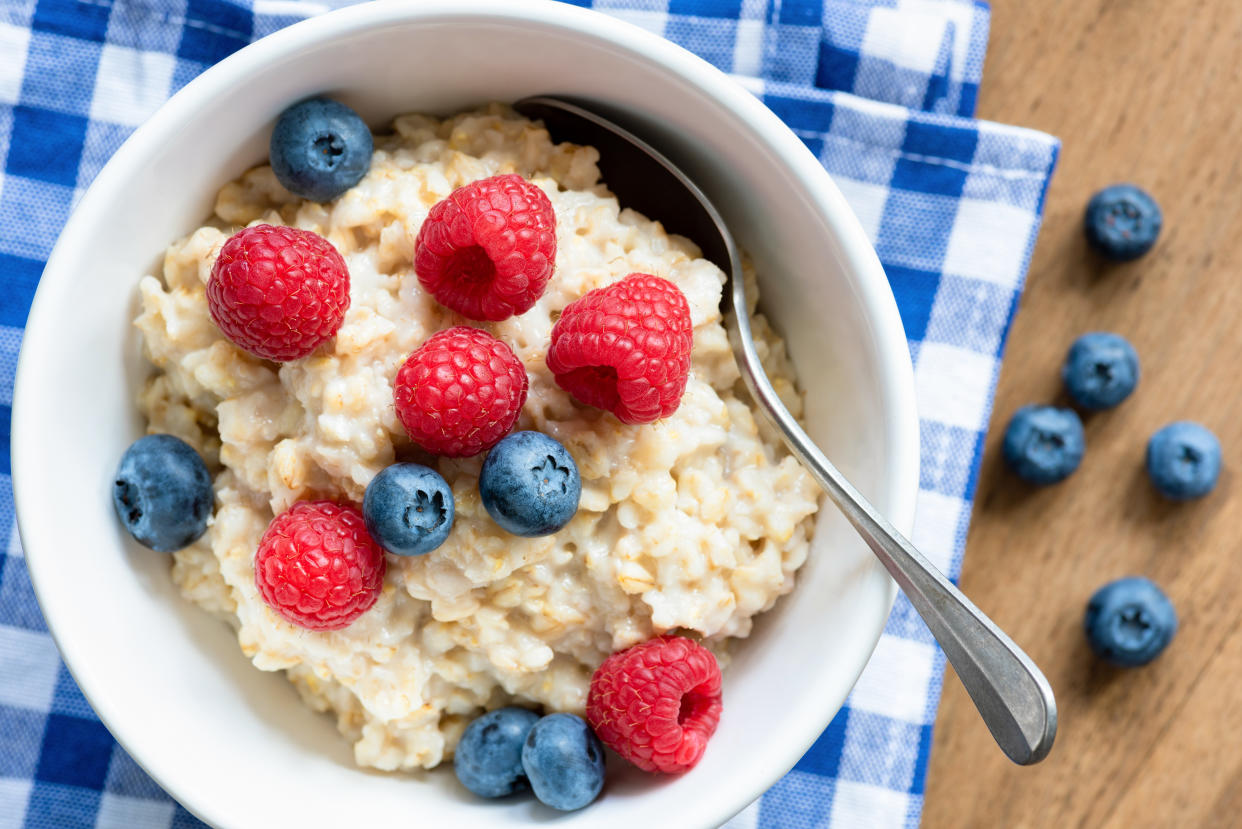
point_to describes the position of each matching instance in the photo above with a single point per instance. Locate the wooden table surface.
(1148, 91)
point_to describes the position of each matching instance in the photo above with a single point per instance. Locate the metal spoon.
(1012, 696)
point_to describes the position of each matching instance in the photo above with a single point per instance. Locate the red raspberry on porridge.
(317, 566)
(488, 249)
(278, 292)
(460, 392)
(625, 348)
(657, 704)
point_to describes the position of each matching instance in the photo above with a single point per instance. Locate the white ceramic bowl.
(235, 745)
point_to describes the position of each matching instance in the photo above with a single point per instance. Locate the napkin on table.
(881, 90)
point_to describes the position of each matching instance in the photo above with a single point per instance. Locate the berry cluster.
(487, 253)
(510, 750)
(1128, 621)
(656, 704)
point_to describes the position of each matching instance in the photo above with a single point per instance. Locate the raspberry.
(657, 704)
(317, 565)
(625, 348)
(488, 249)
(460, 392)
(278, 292)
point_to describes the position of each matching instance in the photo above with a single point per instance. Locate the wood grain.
(1148, 91)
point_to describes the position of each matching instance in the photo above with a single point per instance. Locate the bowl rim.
(866, 275)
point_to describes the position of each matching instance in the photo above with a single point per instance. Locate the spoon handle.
(1012, 695)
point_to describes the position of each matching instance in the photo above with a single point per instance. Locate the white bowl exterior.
(235, 745)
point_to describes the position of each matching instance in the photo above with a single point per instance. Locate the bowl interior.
(235, 745)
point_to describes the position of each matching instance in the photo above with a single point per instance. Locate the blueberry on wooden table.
(1100, 370)
(1044, 444)
(1183, 460)
(1122, 222)
(1129, 622)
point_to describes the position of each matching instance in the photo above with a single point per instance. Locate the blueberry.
(408, 509)
(320, 149)
(1130, 621)
(1044, 444)
(488, 761)
(162, 493)
(1122, 222)
(1183, 460)
(1100, 370)
(530, 484)
(564, 761)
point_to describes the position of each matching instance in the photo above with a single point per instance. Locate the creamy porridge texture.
(695, 523)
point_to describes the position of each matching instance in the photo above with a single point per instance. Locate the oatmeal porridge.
(695, 523)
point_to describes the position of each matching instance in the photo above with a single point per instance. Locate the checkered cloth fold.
(881, 90)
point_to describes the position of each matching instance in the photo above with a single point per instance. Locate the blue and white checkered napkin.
(881, 90)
